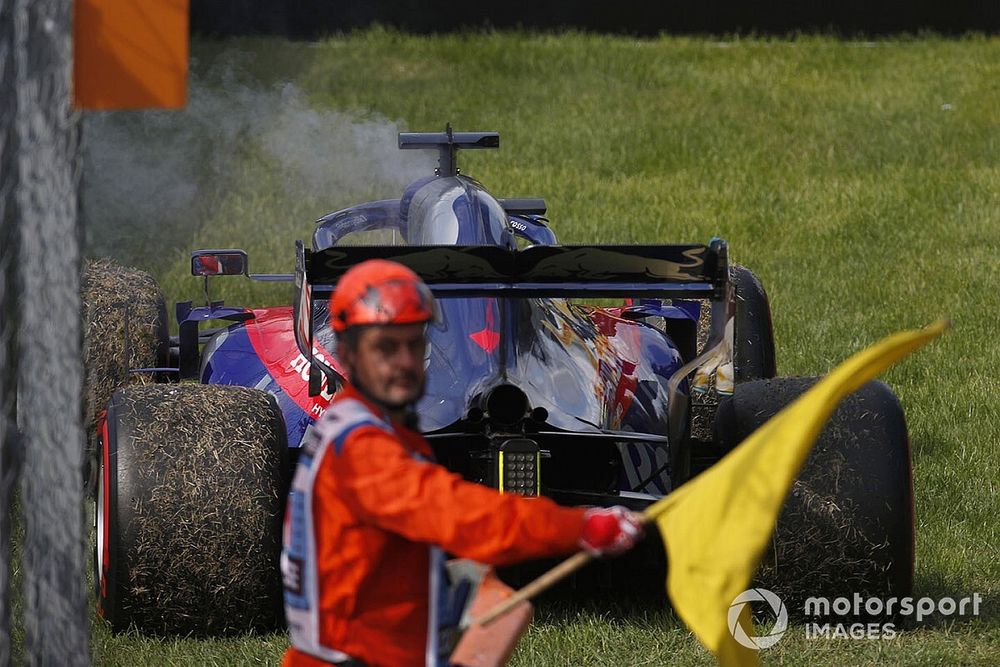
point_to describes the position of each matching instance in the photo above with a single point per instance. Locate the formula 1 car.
(530, 390)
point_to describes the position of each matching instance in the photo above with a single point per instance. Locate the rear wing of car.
(595, 271)
(666, 271)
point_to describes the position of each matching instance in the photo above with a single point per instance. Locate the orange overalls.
(369, 517)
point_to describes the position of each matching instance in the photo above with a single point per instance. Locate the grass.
(861, 182)
(591, 637)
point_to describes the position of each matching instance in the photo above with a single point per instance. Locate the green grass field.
(861, 182)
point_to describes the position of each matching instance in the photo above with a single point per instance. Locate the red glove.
(610, 531)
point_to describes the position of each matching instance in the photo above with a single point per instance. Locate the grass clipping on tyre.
(110, 294)
(826, 541)
(206, 525)
(822, 545)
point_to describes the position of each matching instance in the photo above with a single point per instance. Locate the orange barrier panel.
(130, 54)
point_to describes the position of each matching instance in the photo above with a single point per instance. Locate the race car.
(531, 389)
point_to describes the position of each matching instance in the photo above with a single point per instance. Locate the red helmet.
(380, 292)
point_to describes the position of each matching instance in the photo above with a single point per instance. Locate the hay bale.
(115, 299)
(199, 482)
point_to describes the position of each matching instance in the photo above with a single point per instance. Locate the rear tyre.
(847, 525)
(191, 490)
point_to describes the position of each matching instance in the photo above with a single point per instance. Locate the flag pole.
(545, 581)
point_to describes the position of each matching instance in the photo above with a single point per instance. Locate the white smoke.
(328, 151)
(157, 174)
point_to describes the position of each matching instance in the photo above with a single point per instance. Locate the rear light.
(519, 467)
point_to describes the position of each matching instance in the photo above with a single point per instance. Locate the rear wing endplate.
(302, 311)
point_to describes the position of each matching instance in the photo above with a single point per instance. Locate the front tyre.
(753, 333)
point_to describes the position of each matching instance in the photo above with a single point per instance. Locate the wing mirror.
(219, 263)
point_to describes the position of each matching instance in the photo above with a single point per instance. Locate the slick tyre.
(191, 488)
(847, 525)
(753, 334)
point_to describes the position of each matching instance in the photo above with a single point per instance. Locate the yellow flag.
(716, 527)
